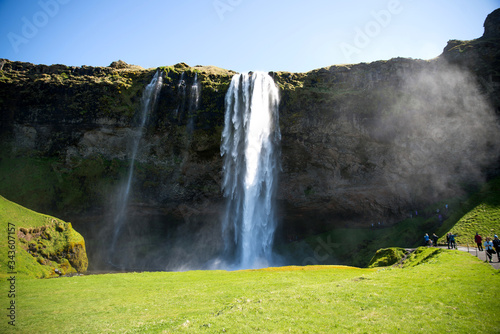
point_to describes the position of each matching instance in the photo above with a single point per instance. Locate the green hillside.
(480, 213)
(35, 245)
(476, 212)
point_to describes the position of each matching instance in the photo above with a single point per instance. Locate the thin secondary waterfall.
(148, 102)
(181, 86)
(194, 103)
(250, 147)
(194, 99)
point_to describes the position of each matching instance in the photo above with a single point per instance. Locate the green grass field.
(434, 291)
(448, 292)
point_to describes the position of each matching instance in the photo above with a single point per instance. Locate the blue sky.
(240, 35)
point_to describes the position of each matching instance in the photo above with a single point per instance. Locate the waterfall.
(148, 102)
(194, 99)
(250, 149)
(181, 86)
(194, 102)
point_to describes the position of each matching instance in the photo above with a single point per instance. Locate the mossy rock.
(44, 246)
(387, 257)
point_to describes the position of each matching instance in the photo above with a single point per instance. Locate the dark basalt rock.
(351, 151)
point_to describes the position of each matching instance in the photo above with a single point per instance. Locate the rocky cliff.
(361, 143)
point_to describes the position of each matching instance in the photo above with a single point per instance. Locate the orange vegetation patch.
(306, 268)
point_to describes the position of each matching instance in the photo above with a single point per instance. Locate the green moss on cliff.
(53, 185)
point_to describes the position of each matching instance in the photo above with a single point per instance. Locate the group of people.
(490, 246)
(433, 241)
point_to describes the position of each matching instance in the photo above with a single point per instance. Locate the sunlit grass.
(451, 291)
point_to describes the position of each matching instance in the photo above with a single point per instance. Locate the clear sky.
(241, 35)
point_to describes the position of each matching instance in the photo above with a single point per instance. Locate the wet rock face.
(354, 149)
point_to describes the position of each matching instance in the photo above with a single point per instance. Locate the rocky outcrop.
(492, 25)
(361, 143)
(45, 246)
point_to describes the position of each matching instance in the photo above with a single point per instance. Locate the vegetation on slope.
(480, 213)
(41, 244)
(386, 257)
(452, 291)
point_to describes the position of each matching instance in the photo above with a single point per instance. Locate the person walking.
(452, 241)
(448, 240)
(426, 239)
(435, 239)
(496, 245)
(488, 248)
(479, 241)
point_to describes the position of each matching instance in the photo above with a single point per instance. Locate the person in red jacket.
(479, 241)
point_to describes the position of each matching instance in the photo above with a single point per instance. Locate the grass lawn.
(448, 292)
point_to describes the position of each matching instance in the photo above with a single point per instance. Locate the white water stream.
(250, 148)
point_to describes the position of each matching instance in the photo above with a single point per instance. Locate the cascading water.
(181, 86)
(194, 99)
(148, 102)
(250, 147)
(194, 102)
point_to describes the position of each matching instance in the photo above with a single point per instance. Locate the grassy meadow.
(433, 291)
(437, 292)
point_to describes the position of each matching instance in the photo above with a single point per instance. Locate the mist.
(443, 133)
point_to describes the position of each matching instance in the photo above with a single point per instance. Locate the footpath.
(481, 255)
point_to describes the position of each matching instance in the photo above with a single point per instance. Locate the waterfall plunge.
(250, 147)
(148, 103)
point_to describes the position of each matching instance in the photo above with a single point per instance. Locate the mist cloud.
(442, 131)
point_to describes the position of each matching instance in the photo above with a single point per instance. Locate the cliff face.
(360, 143)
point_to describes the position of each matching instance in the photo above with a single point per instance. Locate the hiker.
(479, 241)
(435, 239)
(496, 245)
(452, 241)
(426, 239)
(488, 248)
